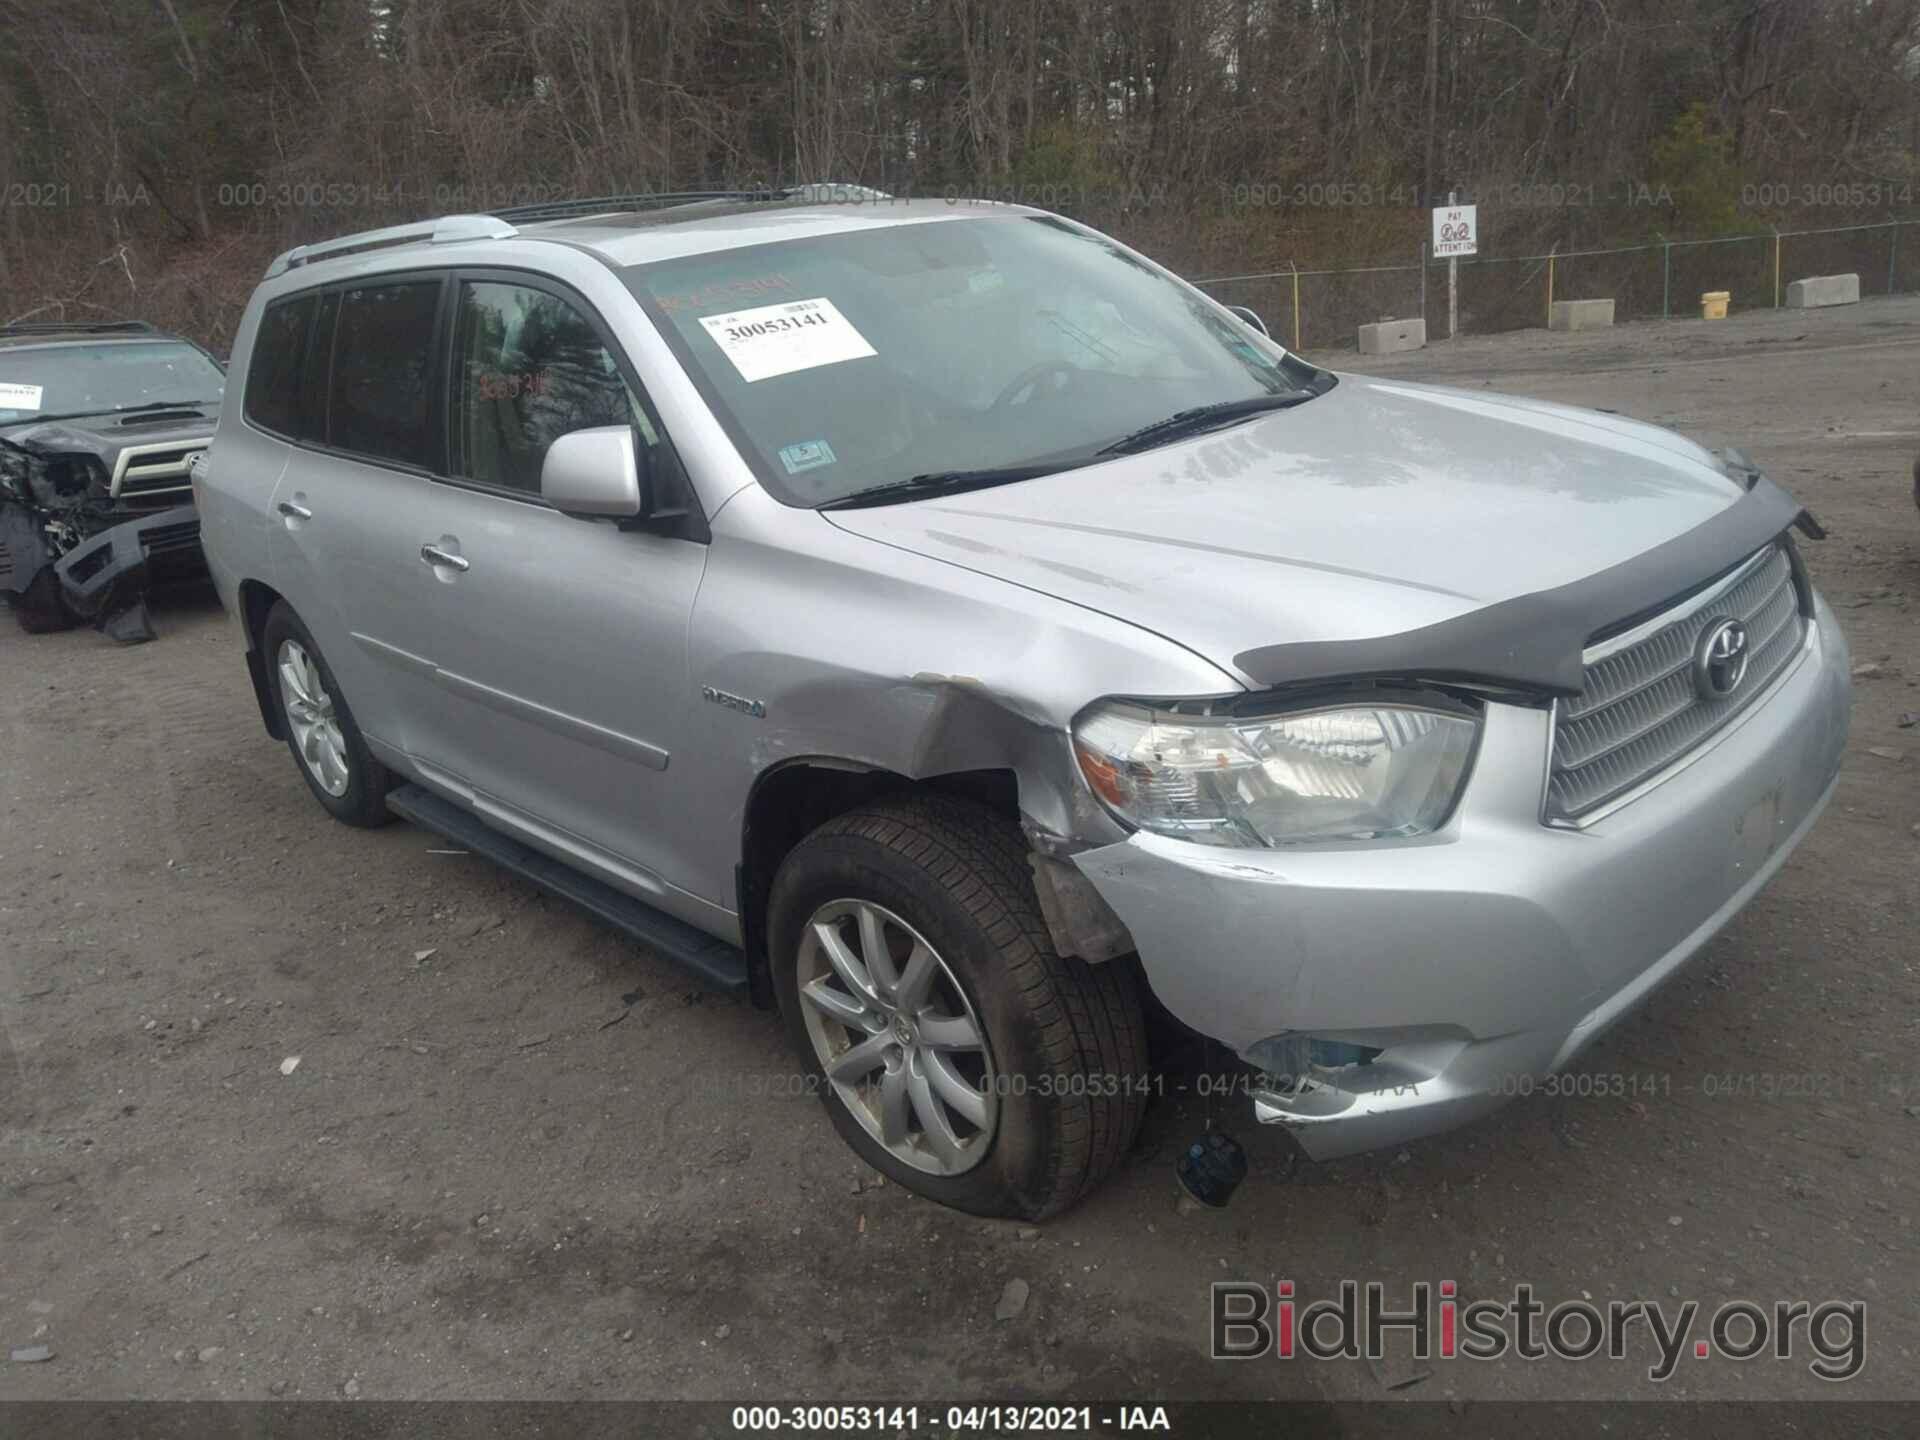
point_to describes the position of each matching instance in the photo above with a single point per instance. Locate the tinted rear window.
(382, 371)
(274, 373)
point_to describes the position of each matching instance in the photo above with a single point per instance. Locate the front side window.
(382, 371)
(275, 372)
(528, 368)
(843, 363)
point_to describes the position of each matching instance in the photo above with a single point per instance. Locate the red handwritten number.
(494, 386)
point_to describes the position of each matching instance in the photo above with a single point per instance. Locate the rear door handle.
(297, 512)
(432, 554)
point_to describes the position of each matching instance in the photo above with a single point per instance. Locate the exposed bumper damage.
(104, 579)
(88, 523)
(1078, 917)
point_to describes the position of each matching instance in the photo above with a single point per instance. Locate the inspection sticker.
(27, 397)
(807, 455)
(779, 339)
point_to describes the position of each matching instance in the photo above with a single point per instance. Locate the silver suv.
(946, 624)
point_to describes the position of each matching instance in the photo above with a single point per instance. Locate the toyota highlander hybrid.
(946, 624)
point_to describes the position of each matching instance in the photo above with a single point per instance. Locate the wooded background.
(155, 153)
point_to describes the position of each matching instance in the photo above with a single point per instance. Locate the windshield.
(87, 378)
(847, 362)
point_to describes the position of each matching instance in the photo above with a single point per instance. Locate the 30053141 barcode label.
(780, 339)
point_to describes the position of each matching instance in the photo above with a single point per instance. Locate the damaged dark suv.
(99, 424)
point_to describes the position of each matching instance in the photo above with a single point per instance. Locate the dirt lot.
(519, 1157)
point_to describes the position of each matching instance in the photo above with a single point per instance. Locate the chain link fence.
(1663, 279)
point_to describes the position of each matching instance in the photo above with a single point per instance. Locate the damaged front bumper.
(1405, 987)
(105, 578)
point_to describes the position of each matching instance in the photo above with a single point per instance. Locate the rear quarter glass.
(275, 372)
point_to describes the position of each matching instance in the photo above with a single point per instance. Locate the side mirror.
(589, 473)
(1251, 318)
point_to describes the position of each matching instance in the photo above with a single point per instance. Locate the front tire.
(955, 1050)
(326, 743)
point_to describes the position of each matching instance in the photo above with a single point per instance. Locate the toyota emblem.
(1720, 659)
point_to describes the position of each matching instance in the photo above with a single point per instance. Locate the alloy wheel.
(310, 714)
(897, 1037)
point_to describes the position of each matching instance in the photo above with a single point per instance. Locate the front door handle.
(432, 554)
(295, 512)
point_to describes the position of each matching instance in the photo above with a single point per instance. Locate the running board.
(714, 961)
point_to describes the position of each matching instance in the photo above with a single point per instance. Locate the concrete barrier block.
(1817, 290)
(1389, 336)
(1579, 314)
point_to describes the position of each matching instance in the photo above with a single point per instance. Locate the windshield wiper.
(1205, 417)
(111, 410)
(949, 482)
(954, 482)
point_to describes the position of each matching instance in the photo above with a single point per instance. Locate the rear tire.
(1061, 1070)
(327, 745)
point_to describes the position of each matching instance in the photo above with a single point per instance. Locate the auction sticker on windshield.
(780, 339)
(27, 397)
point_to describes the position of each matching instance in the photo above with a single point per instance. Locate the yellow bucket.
(1713, 304)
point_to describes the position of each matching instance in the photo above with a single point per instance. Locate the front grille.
(155, 470)
(164, 539)
(1640, 710)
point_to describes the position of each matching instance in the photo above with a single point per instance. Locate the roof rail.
(621, 204)
(500, 224)
(79, 327)
(445, 230)
(820, 190)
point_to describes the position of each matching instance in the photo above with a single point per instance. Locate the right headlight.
(1332, 772)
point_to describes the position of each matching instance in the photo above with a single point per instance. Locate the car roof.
(629, 232)
(636, 239)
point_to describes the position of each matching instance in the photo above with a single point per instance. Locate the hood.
(1378, 508)
(105, 436)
